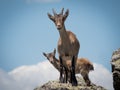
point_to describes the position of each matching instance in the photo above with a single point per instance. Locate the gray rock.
(55, 85)
(115, 63)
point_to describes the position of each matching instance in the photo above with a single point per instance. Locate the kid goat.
(68, 44)
(83, 65)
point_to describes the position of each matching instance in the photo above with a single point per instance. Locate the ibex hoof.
(74, 83)
(61, 80)
(88, 83)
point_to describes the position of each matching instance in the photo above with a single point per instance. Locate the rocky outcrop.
(116, 69)
(55, 85)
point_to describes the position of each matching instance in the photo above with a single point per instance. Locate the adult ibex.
(68, 44)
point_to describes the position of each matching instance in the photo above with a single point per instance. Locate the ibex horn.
(62, 11)
(54, 12)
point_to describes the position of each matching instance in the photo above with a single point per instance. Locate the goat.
(83, 66)
(68, 45)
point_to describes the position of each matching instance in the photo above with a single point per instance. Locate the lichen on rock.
(115, 63)
(55, 85)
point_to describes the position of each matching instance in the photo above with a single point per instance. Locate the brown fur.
(68, 44)
(83, 65)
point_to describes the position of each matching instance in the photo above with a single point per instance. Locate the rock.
(55, 85)
(115, 63)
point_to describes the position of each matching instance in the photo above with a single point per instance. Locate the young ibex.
(83, 65)
(68, 44)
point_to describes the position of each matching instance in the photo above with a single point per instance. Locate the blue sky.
(26, 31)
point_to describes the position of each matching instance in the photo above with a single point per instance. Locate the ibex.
(83, 65)
(68, 44)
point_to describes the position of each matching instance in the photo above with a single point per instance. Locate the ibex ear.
(51, 17)
(44, 54)
(66, 14)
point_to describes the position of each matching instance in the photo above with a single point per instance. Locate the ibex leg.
(65, 75)
(73, 77)
(61, 71)
(87, 80)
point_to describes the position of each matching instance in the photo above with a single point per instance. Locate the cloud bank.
(28, 77)
(101, 76)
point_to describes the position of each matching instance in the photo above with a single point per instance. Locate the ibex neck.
(56, 64)
(63, 34)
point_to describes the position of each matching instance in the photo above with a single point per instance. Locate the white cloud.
(28, 77)
(7, 82)
(34, 75)
(101, 76)
(42, 1)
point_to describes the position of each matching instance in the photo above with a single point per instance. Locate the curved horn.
(62, 11)
(54, 12)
